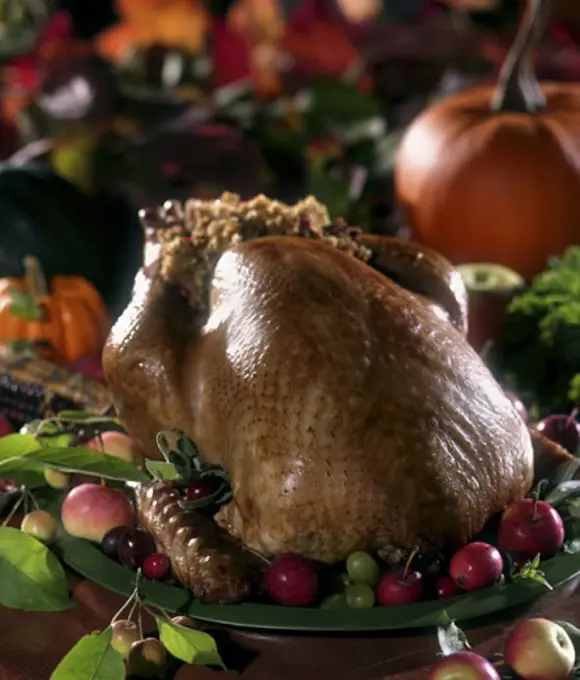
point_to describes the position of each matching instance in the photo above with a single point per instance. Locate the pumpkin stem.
(35, 279)
(518, 90)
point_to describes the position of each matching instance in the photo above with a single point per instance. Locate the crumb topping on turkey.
(193, 236)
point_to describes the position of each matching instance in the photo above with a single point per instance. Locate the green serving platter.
(87, 559)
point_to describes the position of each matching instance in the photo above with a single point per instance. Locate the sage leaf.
(92, 658)
(564, 492)
(86, 461)
(188, 645)
(167, 472)
(572, 547)
(31, 577)
(15, 445)
(565, 472)
(86, 418)
(450, 637)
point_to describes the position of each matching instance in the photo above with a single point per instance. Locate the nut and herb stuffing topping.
(194, 236)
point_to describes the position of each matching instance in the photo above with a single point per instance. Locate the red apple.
(118, 445)
(399, 586)
(292, 581)
(5, 426)
(529, 527)
(90, 510)
(90, 367)
(463, 666)
(475, 566)
(539, 649)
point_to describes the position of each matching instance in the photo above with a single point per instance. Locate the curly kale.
(540, 353)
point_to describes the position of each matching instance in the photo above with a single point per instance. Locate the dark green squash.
(97, 237)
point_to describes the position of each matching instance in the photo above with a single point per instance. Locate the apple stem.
(412, 556)
(131, 600)
(14, 509)
(572, 416)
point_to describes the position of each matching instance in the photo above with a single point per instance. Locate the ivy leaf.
(31, 576)
(166, 472)
(564, 492)
(92, 658)
(24, 306)
(450, 637)
(86, 461)
(188, 645)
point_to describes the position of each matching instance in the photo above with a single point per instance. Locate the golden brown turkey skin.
(348, 413)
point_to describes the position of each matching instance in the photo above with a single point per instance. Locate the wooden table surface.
(31, 644)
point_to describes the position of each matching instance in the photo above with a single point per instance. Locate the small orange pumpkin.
(493, 175)
(70, 320)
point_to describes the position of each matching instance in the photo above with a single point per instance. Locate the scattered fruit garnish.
(359, 596)
(463, 665)
(531, 527)
(40, 524)
(5, 426)
(56, 479)
(400, 586)
(133, 547)
(562, 429)
(362, 568)
(201, 488)
(156, 566)
(476, 565)
(91, 510)
(110, 541)
(291, 580)
(446, 587)
(184, 621)
(518, 405)
(147, 658)
(118, 445)
(539, 649)
(125, 634)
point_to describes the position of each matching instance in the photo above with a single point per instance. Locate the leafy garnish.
(451, 638)
(572, 547)
(189, 645)
(531, 572)
(565, 492)
(32, 578)
(84, 461)
(165, 472)
(92, 658)
(182, 455)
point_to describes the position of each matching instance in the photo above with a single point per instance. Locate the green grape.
(362, 569)
(336, 601)
(360, 596)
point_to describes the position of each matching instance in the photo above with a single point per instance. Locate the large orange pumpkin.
(493, 175)
(70, 320)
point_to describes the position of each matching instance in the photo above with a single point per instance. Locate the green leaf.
(450, 637)
(24, 306)
(85, 418)
(92, 658)
(564, 492)
(16, 445)
(186, 644)
(167, 472)
(31, 576)
(88, 462)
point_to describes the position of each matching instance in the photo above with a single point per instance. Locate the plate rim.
(90, 562)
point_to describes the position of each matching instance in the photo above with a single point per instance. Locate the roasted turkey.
(326, 370)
